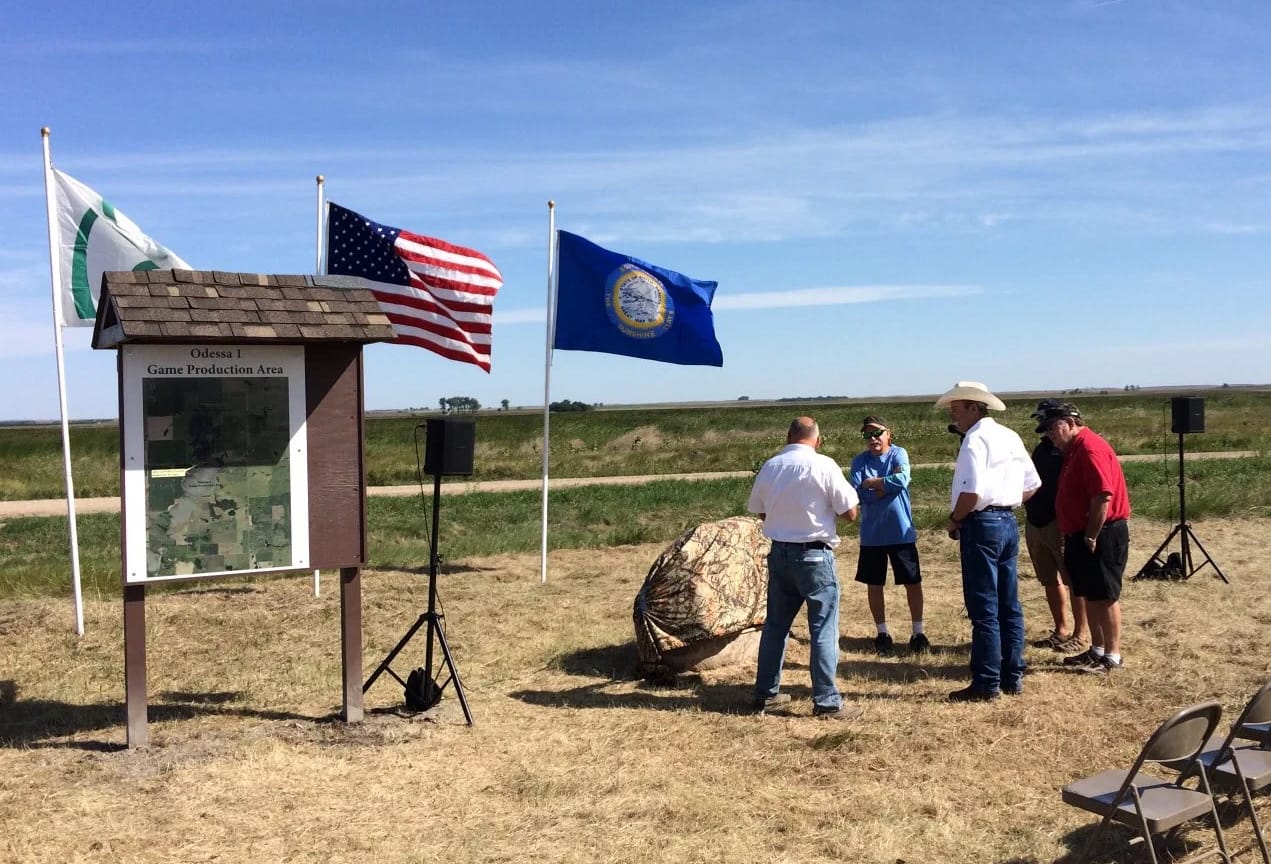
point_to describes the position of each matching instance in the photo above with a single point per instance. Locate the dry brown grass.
(570, 759)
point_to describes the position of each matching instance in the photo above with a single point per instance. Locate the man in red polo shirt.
(1092, 506)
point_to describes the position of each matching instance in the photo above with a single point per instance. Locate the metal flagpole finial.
(551, 205)
(44, 131)
(320, 178)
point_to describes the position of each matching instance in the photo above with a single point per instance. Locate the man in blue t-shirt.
(880, 476)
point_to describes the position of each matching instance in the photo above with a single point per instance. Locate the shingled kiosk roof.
(166, 306)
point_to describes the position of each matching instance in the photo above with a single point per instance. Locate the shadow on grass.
(1112, 846)
(617, 662)
(1115, 844)
(904, 670)
(865, 645)
(902, 666)
(227, 591)
(443, 569)
(32, 723)
(712, 698)
(618, 665)
(708, 698)
(687, 691)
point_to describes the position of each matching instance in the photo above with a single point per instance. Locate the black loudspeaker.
(1187, 414)
(449, 447)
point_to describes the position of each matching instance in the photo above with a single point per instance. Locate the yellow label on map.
(168, 472)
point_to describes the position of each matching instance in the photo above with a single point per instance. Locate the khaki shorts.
(1046, 553)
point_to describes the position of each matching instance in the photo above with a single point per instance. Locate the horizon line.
(748, 401)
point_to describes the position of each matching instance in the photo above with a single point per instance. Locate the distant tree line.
(808, 398)
(569, 405)
(459, 404)
(469, 405)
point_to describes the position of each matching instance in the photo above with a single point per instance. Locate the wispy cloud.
(841, 295)
(1239, 227)
(969, 173)
(838, 296)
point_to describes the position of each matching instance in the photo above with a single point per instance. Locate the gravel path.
(57, 506)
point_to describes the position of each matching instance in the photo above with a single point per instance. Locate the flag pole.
(319, 270)
(547, 370)
(55, 278)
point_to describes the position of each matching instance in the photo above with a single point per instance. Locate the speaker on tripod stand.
(448, 451)
(1187, 416)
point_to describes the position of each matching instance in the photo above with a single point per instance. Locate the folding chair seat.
(1149, 803)
(1238, 765)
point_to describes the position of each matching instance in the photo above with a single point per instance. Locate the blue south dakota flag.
(616, 304)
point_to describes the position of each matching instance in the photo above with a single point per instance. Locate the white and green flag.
(94, 237)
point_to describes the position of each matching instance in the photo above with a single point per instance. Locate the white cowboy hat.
(970, 391)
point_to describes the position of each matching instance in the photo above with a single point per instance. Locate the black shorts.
(1097, 576)
(871, 564)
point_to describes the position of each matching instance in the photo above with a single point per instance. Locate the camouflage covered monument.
(704, 600)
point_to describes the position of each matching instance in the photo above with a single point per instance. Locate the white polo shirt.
(801, 492)
(993, 464)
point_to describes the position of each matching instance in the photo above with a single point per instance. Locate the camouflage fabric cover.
(708, 586)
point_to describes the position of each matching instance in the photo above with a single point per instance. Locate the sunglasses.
(871, 434)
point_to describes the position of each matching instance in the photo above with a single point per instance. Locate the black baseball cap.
(1052, 409)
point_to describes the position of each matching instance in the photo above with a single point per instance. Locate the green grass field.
(726, 437)
(487, 523)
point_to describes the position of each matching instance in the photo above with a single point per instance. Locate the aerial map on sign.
(218, 478)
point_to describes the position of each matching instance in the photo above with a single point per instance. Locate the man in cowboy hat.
(1092, 506)
(1045, 544)
(993, 476)
(880, 475)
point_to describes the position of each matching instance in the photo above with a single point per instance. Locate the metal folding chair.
(1150, 804)
(1240, 765)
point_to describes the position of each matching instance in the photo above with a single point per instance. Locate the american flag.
(438, 295)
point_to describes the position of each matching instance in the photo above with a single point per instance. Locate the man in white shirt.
(799, 493)
(994, 474)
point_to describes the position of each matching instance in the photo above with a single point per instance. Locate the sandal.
(1053, 641)
(1071, 644)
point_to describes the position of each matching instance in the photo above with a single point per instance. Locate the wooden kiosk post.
(241, 434)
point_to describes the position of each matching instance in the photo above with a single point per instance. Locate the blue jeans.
(989, 541)
(796, 576)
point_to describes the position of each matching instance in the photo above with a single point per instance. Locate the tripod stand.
(429, 693)
(1184, 531)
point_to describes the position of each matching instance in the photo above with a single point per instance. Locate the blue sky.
(892, 196)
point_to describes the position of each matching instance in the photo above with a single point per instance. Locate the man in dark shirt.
(1045, 549)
